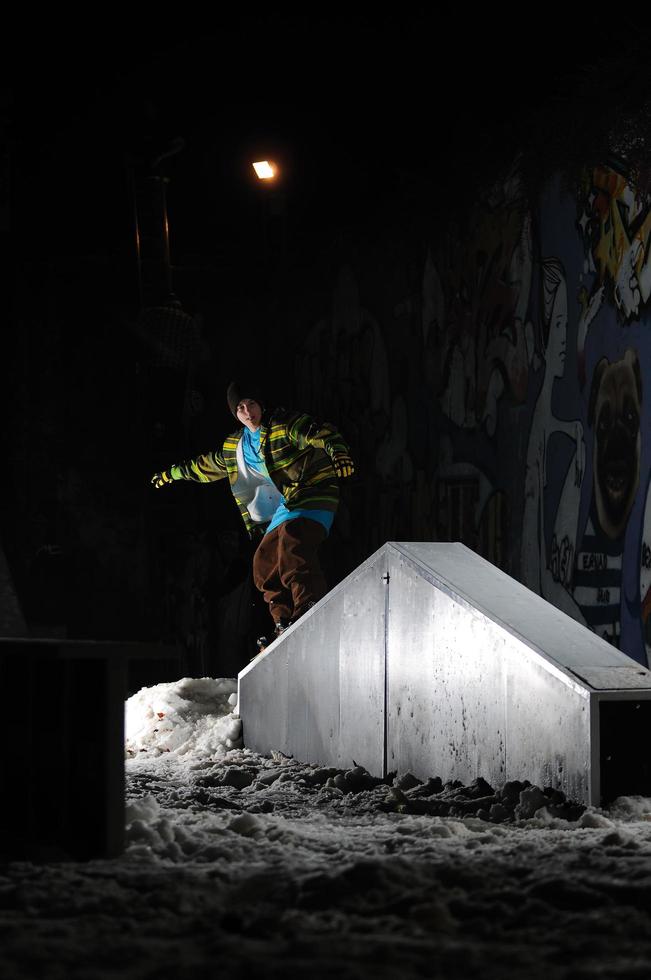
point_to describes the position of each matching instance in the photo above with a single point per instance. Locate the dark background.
(384, 124)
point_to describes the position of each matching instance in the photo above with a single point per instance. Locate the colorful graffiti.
(616, 228)
(506, 404)
(571, 392)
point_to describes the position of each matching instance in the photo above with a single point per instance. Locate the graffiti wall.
(498, 392)
(583, 528)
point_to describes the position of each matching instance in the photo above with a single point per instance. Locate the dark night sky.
(348, 102)
(355, 105)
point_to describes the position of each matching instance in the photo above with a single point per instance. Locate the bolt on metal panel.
(632, 678)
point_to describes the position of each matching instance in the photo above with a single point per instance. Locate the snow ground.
(240, 865)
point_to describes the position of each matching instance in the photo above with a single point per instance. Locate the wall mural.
(520, 420)
(612, 347)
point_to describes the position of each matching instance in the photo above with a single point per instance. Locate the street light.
(265, 170)
(272, 210)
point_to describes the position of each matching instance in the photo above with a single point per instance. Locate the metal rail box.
(428, 658)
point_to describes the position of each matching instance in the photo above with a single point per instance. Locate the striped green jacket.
(298, 453)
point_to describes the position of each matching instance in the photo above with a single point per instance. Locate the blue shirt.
(254, 459)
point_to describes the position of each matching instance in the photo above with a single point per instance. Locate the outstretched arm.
(202, 469)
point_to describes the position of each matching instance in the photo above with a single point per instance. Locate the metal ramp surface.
(428, 658)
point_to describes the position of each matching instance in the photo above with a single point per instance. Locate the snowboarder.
(284, 469)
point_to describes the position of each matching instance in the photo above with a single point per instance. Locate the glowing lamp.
(264, 170)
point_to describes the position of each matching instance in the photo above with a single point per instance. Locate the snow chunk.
(595, 821)
(632, 808)
(246, 825)
(532, 799)
(189, 716)
(146, 808)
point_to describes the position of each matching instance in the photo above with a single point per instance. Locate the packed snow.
(190, 717)
(242, 865)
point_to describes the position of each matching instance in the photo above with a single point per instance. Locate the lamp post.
(274, 224)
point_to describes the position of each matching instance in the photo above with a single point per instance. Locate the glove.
(343, 465)
(162, 479)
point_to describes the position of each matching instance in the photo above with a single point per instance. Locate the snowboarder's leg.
(298, 562)
(266, 575)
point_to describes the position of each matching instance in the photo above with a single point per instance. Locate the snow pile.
(192, 716)
(631, 808)
(279, 868)
(192, 726)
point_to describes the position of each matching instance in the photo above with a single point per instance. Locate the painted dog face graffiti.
(614, 413)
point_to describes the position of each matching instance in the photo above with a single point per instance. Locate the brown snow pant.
(287, 570)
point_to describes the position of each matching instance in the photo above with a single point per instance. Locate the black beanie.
(237, 391)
